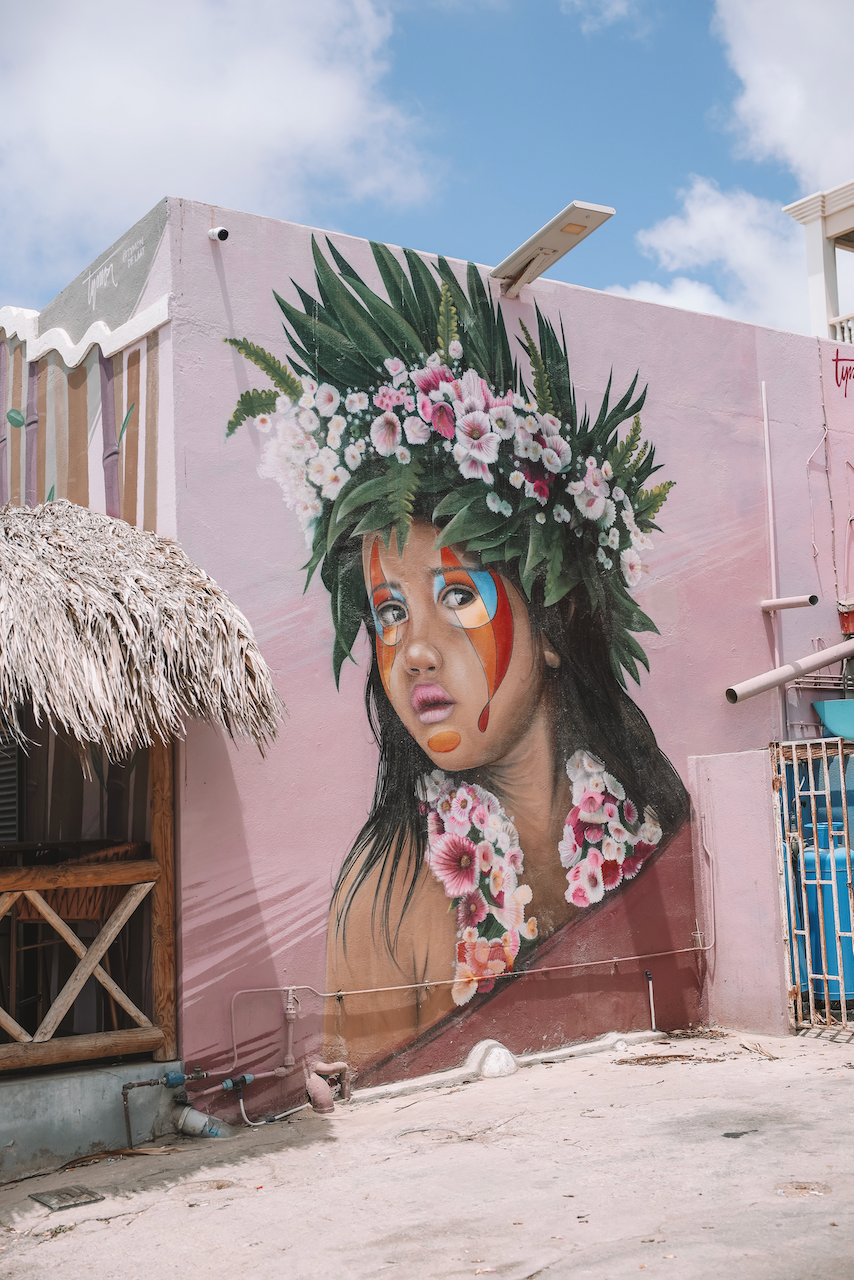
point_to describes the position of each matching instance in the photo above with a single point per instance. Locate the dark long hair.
(593, 712)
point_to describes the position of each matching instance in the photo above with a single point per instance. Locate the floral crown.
(415, 409)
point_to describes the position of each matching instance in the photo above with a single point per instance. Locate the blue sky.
(459, 126)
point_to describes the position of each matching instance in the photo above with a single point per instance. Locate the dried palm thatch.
(112, 634)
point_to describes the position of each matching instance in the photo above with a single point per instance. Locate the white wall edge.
(21, 323)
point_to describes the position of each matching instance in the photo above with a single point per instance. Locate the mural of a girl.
(487, 534)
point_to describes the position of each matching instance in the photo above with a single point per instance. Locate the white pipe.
(787, 602)
(783, 675)
(648, 977)
(772, 546)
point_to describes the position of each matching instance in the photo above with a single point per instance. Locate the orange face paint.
(445, 740)
(386, 636)
(487, 620)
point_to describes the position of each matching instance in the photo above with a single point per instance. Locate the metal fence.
(813, 788)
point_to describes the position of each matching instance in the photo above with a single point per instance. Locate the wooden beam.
(94, 952)
(68, 875)
(79, 949)
(101, 1044)
(8, 900)
(163, 949)
(15, 1030)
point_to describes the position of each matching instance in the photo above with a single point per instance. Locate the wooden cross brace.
(89, 962)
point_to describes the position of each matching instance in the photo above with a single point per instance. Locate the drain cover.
(66, 1197)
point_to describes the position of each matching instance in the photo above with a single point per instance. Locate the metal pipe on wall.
(782, 675)
(787, 602)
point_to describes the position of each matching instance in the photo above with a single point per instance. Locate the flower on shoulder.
(484, 857)
(463, 804)
(512, 914)
(632, 865)
(465, 984)
(435, 825)
(386, 433)
(613, 850)
(584, 882)
(569, 848)
(612, 873)
(529, 928)
(471, 909)
(453, 860)
(630, 813)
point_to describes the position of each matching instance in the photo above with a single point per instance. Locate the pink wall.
(261, 840)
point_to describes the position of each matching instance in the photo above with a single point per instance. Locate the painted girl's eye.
(457, 597)
(391, 613)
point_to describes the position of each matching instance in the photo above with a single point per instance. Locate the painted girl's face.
(454, 647)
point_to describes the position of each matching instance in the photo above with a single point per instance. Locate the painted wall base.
(48, 1119)
(745, 981)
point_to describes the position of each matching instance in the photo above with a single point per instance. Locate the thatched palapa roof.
(114, 635)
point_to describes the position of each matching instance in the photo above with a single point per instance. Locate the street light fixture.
(572, 225)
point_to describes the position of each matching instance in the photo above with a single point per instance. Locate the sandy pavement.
(732, 1163)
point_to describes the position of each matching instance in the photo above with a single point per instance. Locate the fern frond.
(249, 405)
(623, 452)
(281, 377)
(637, 460)
(447, 322)
(650, 501)
(542, 391)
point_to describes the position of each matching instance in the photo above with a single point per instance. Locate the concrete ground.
(732, 1163)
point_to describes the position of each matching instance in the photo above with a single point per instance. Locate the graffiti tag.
(99, 280)
(134, 252)
(844, 369)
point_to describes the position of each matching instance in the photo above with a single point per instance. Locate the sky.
(452, 126)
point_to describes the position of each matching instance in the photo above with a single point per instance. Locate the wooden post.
(163, 949)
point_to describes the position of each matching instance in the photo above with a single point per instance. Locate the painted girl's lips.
(431, 703)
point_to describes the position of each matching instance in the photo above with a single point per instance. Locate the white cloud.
(754, 251)
(256, 106)
(794, 59)
(595, 14)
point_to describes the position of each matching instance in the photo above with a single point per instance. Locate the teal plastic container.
(837, 716)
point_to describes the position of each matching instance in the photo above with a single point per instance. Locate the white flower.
(455, 349)
(516, 479)
(309, 421)
(575, 488)
(264, 422)
(394, 366)
(613, 850)
(356, 402)
(417, 431)
(591, 463)
(610, 513)
(352, 457)
(617, 790)
(590, 506)
(614, 539)
(535, 450)
(434, 361)
(641, 541)
(594, 481)
(308, 384)
(385, 433)
(503, 421)
(306, 401)
(403, 455)
(337, 423)
(460, 452)
(607, 470)
(493, 502)
(506, 509)
(518, 401)
(617, 493)
(551, 461)
(600, 555)
(540, 518)
(561, 515)
(335, 483)
(326, 400)
(550, 425)
(630, 563)
(333, 435)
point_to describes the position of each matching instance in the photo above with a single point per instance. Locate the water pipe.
(783, 675)
(648, 977)
(171, 1080)
(787, 602)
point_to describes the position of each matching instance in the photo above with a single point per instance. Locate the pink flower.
(471, 909)
(484, 857)
(630, 563)
(409, 404)
(431, 379)
(465, 984)
(394, 366)
(386, 398)
(569, 848)
(631, 866)
(643, 850)
(577, 895)
(475, 434)
(326, 400)
(514, 858)
(463, 805)
(472, 468)
(385, 434)
(549, 424)
(588, 875)
(612, 873)
(540, 491)
(417, 432)
(435, 825)
(630, 813)
(454, 862)
(474, 390)
(443, 420)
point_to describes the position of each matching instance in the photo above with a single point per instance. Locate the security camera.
(218, 233)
